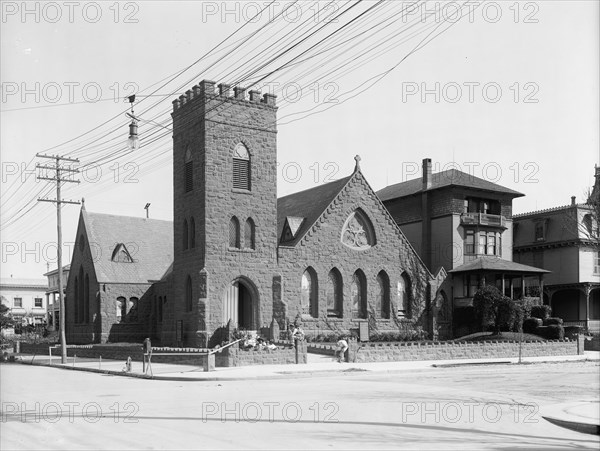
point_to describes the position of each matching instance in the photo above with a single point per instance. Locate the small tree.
(492, 308)
(6, 320)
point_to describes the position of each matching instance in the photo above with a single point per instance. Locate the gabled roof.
(451, 177)
(496, 264)
(148, 241)
(308, 204)
(55, 271)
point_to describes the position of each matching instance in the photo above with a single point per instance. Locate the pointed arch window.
(188, 170)
(234, 233)
(192, 233)
(404, 296)
(358, 295)
(358, 232)
(120, 305)
(76, 301)
(382, 298)
(334, 294)
(249, 242)
(132, 310)
(160, 309)
(308, 293)
(241, 167)
(80, 296)
(185, 234)
(86, 300)
(188, 294)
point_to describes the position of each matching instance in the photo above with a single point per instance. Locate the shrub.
(496, 312)
(553, 332)
(522, 311)
(507, 314)
(526, 305)
(573, 331)
(541, 311)
(531, 324)
(485, 303)
(553, 321)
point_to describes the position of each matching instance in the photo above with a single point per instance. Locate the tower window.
(249, 241)
(192, 232)
(185, 234)
(234, 233)
(241, 167)
(188, 170)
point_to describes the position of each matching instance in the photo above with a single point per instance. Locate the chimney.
(426, 173)
(573, 201)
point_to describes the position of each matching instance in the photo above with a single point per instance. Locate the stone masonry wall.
(213, 124)
(322, 250)
(386, 352)
(284, 354)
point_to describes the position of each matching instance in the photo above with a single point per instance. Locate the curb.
(283, 374)
(586, 428)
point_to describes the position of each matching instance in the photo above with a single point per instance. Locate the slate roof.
(148, 241)
(307, 204)
(451, 177)
(496, 264)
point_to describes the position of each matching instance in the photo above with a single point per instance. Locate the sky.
(507, 92)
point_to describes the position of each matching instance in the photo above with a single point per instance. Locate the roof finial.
(83, 203)
(357, 159)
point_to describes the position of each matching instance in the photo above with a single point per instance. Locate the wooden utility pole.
(58, 201)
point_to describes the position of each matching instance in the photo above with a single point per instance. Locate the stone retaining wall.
(386, 352)
(228, 357)
(284, 354)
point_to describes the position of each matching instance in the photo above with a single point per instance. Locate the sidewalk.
(317, 365)
(579, 416)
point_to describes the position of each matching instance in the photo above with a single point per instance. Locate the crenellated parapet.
(209, 89)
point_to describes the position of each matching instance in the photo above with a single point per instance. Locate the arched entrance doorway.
(239, 305)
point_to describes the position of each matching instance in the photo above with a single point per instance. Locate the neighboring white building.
(565, 240)
(25, 298)
(52, 300)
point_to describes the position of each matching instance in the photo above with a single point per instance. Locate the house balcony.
(483, 219)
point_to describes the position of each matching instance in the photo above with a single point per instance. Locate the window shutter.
(241, 174)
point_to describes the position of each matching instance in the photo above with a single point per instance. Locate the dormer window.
(121, 254)
(241, 167)
(291, 228)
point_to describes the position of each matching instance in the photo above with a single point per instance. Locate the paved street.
(466, 407)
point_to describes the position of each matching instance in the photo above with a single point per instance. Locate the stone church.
(331, 257)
